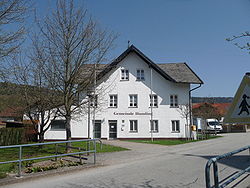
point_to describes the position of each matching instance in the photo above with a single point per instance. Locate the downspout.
(190, 109)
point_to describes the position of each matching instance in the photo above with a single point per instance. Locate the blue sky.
(192, 31)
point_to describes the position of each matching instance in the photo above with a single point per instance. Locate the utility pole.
(151, 105)
(95, 100)
(89, 116)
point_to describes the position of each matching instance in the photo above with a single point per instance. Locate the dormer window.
(124, 74)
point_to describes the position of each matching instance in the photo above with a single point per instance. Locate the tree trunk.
(41, 132)
(190, 132)
(68, 132)
(41, 137)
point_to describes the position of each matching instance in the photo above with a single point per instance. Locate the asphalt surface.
(154, 166)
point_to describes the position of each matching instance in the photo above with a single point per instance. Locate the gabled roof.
(181, 73)
(174, 72)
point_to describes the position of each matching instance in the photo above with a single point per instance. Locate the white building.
(132, 91)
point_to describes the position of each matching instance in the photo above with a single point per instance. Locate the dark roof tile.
(174, 72)
(180, 72)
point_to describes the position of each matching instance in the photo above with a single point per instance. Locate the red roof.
(221, 107)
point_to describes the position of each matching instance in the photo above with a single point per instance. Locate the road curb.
(55, 172)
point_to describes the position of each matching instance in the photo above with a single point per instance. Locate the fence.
(21, 159)
(215, 169)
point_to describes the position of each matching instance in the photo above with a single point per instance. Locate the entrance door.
(97, 129)
(112, 129)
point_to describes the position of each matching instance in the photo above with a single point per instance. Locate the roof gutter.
(190, 107)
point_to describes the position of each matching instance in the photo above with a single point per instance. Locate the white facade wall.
(112, 84)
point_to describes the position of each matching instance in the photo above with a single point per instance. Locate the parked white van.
(213, 125)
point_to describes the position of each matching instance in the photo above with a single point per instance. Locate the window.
(175, 126)
(173, 101)
(133, 126)
(113, 101)
(58, 125)
(93, 100)
(154, 126)
(124, 74)
(133, 101)
(140, 74)
(153, 100)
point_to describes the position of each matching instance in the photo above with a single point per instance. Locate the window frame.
(140, 74)
(154, 100)
(174, 102)
(134, 101)
(174, 126)
(134, 124)
(113, 99)
(124, 74)
(57, 129)
(153, 124)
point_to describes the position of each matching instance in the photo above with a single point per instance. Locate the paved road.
(154, 166)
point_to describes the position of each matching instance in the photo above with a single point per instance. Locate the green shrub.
(17, 135)
(3, 175)
(12, 136)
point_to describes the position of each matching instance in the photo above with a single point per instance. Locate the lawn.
(171, 142)
(46, 150)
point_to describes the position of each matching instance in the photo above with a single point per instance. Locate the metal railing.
(215, 169)
(57, 154)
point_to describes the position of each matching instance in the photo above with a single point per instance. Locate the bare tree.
(241, 40)
(38, 100)
(71, 39)
(185, 112)
(11, 12)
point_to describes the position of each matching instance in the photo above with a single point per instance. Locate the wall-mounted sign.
(132, 113)
(239, 110)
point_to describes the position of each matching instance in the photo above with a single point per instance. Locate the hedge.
(14, 136)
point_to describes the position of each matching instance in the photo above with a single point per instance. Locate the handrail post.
(207, 174)
(216, 178)
(215, 169)
(56, 145)
(95, 152)
(80, 155)
(20, 162)
(88, 142)
(100, 143)
(58, 154)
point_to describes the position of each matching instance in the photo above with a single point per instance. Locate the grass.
(46, 150)
(36, 151)
(170, 142)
